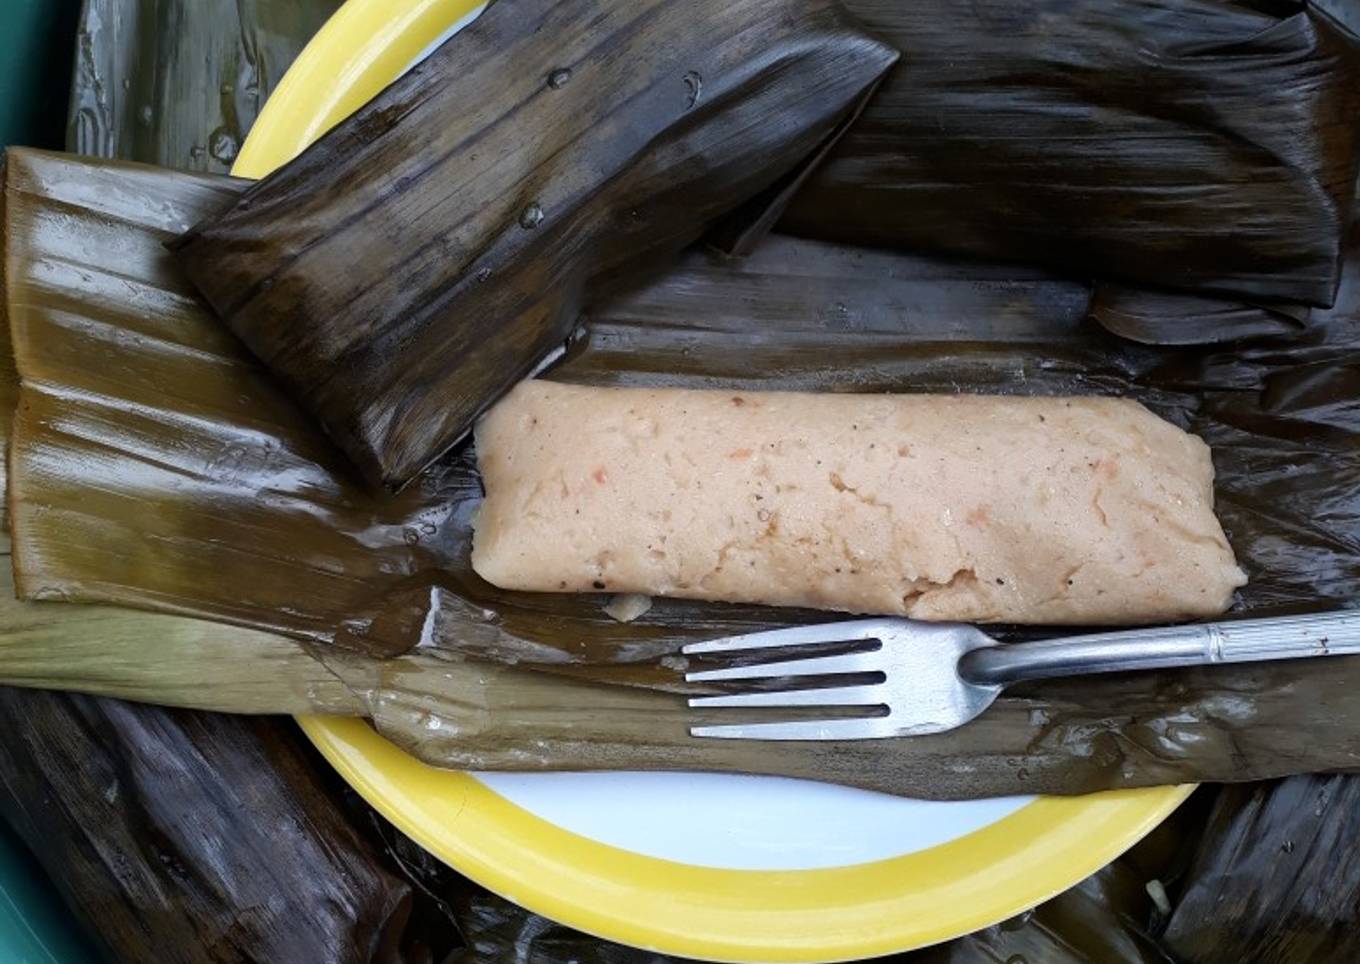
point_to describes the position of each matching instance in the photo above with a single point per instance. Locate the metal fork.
(938, 676)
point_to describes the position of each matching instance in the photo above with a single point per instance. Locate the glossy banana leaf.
(437, 246)
(177, 836)
(1274, 877)
(1206, 145)
(124, 455)
(1158, 317)
(100, 791)
(179, 83)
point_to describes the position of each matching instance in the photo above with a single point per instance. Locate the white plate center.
(744, 822)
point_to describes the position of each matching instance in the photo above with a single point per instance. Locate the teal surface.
(37, 41)
(35, 928)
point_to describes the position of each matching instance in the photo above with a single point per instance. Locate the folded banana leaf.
(1157, 317)
(1345, 12)
(1205, 145)
(1275, 876)
(130, 807)
(178, 83)
(438, 245)
(112, 835)
(120, 443)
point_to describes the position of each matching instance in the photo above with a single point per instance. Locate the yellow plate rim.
(831, 914)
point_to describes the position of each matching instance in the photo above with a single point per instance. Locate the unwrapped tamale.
(961, 508)
(1277, 413)
(437, 246)
(1207, 145)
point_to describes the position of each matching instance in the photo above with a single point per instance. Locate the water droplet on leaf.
(223, 146)
(694, 88)
(531, 216)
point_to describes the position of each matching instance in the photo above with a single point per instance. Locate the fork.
(934, 677)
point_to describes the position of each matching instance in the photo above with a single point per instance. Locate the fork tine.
(813, 666)
(794, 636)
(873, 695)
(854, 729)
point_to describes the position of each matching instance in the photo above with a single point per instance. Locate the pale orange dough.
(972, 508)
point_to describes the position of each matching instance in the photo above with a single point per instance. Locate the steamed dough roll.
(971, 508)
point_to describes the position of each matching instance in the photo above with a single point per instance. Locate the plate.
(701, 865)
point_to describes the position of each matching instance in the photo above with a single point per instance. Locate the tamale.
(1274, 877)
(1204, 145)
(437, 246)
(179, 83)
(261, 466)
(267, 869)
(850, 320)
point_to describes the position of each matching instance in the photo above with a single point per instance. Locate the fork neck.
(1161, 648)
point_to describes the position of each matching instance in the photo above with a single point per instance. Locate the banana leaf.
(1203, 145)
(437, 246)
(128, 806)
(1274, 877)
(131, 446)
(179, 83)
(1157, 317)
(1346, 12)
(308, 889)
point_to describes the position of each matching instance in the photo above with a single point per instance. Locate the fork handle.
(1245, 641)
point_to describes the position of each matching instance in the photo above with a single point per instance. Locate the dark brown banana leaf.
(1157, 317)
(126, 453)
(1205, 145)
(1345, 12)
(1275, 877)
(179, 83)
(197, 838)
(190, 837)
(438, 245)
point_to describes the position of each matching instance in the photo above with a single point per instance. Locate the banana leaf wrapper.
(437, 246)
(190, 838)
(179, 836)
(1345, 12)
(179, 83)
(1209, 146)
(266, 869)
(1157, 317)
(119, 453)
(1275, 876)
